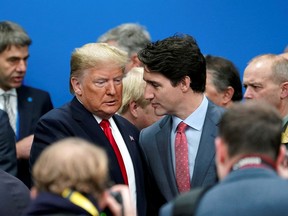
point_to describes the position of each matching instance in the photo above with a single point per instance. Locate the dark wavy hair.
(176, 57)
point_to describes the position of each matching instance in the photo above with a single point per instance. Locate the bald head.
(285, 55)
(266, 77)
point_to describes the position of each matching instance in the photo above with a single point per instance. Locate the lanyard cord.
(81, 201)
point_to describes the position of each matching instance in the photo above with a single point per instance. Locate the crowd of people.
(154, 128)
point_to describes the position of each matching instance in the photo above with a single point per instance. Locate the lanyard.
(81, 201)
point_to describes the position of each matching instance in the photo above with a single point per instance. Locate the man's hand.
(23, 147)
(126, 208)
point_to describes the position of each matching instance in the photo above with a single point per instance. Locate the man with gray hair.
(23, 104)
(130, 37)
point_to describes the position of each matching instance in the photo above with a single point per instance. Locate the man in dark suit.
(15, 196)
(175, 75)
(248, 155)
(8, 160)
(96, 76)
(24, 105)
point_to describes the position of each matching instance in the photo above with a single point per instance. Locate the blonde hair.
(95, 55)
(72, 163)
(133, 89)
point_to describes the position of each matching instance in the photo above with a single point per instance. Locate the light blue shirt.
(195, 121)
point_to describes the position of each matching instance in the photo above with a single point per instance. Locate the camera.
(117, 196)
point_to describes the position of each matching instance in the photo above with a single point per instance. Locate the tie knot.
(105, 123)
(181, 127)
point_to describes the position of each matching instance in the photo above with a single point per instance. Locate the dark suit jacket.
(73, 120)
(32, 104)
(155, 143)
(249, 192)
(8, 159)
(15, 196)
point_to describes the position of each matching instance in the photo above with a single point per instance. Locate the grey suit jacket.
(156, 151)
(249, 192)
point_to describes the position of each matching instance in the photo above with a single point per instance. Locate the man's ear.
(133, 108)
(221, 150)
(33, 193)
(284, 90)
(76, 85)
(135, 61)
(221, 158)
(185, 83)
(228, 94)
(281, 156)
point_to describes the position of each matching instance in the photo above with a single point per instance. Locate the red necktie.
(105, 124)
(181, 159)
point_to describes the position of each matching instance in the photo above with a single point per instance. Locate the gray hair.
(130, 37)
(12, 34)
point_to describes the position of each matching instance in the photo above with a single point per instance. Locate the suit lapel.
(206, 152)
(25, 111)
(163, 141)
(94, 133)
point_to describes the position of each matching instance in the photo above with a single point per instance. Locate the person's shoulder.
(156, 126)
(215, 112)
(125, 122)
(215, 108)
(2, 114)
(10, 181)
(29, 89)
(61, 112)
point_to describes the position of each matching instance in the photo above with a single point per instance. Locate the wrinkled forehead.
(261, 68)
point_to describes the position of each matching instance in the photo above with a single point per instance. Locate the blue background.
(235, 29)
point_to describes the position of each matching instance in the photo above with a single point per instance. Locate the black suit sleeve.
(8, 160)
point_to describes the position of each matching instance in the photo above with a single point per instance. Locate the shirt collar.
(195, 119)
(10, 92)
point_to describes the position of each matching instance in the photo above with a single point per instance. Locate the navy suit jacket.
(155, 143)
(8, 159)
(15, 196)
(32, 104)
(73, 120)
(249, 192)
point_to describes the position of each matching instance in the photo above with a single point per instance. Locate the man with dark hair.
(178, 150)
(223, 83)
(23, 104)
(248, 154)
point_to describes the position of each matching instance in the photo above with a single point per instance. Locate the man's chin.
(16, 85)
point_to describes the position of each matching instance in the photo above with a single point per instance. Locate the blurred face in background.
(13, 66)
(259, 83)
